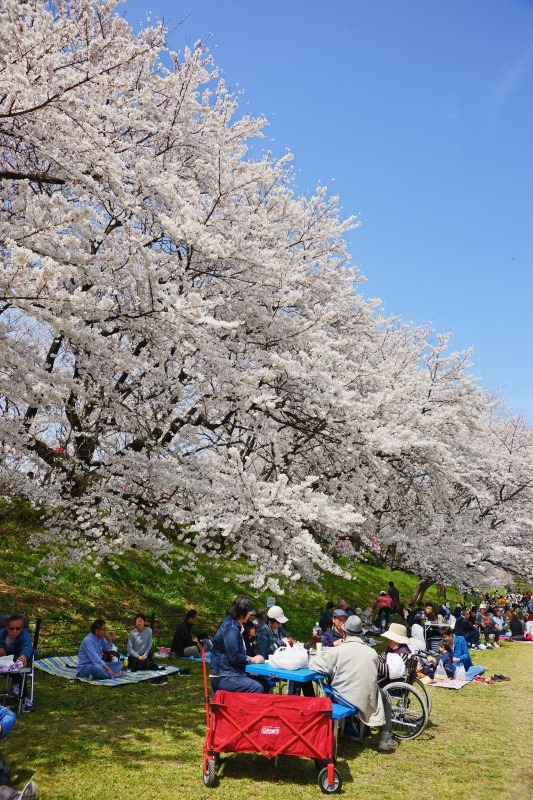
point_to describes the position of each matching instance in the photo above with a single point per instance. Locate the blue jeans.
(473, 671)
(472, 637)
(236, 683)
(98, 672)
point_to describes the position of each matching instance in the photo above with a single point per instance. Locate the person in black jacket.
(184, 643)
(463, 627)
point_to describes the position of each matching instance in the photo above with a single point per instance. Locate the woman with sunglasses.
(15, 641)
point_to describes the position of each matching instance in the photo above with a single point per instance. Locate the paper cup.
(318, 647)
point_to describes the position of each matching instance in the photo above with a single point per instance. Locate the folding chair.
(28, 672)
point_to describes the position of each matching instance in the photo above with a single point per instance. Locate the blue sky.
(420, 116)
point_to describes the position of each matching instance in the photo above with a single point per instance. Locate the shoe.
(30, 792)
(482, 646)
(495, 644)
(478, 679)
(15, 692)
(495, 678)
(27, 707)
(159, 681)
(347, 738)
(488, 680)
(388, 745)
(502, 677)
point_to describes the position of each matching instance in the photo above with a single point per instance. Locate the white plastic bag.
(440, 672)
(396, 666)
(460, 673)
(295, 657)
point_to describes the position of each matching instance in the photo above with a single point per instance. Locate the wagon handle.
(206, 685)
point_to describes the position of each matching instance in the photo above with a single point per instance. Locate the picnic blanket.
(65, 667)
(449, 683)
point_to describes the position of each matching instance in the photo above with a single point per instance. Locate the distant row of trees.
(185, 352)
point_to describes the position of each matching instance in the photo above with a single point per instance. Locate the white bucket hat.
(397, 633)
(276, 612)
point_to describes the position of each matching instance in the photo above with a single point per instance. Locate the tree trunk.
(421, 587)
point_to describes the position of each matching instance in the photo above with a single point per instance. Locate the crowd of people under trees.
(345, 655)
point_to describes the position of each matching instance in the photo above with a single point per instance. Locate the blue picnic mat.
(65, 667)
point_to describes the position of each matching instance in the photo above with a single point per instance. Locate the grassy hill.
(70, 602)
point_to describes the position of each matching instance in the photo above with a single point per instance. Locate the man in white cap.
(352, 668)
(270, 634)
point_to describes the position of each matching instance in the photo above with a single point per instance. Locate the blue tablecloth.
(299, 675)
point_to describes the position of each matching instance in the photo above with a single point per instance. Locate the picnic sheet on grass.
(65, 667)
(449, 683)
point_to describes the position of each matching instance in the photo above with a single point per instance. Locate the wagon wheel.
(210, 774)
(325, 785)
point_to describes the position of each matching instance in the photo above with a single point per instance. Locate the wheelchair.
(410, 702)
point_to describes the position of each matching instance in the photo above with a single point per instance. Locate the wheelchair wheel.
(325, 785)
(409, 711)
(422, 689)
(210, 773)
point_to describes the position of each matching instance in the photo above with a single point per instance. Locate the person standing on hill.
(383, 605)
(395, 594)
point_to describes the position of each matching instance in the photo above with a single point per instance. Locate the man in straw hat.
(353, 672)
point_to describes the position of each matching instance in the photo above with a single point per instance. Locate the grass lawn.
(87, 743)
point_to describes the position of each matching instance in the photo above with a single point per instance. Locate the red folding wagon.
(271, 725)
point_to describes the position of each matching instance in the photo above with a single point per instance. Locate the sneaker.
(388, 745)
(27, 707)
(159, 681)
(495, 644)
(478, 679)
(15, 692)
(482, 646)
(30, 792)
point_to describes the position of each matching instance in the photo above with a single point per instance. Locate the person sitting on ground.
(271, 634)
(488, 627)
(139, 646)
(417, 641)
(463, 627)
(352, 669)
(91, 662)
(326, 618)
(334, 637)
(346, 608)
(383, 605)
(516, 627)
(15, 641)
(446, 658)
(184, 644)
(31, 790)
(460, 652)
(229, 659)
(398, 646)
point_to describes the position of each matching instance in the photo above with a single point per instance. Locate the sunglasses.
(13, 628)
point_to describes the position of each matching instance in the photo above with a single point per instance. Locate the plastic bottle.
(125, 664)
(317, 634)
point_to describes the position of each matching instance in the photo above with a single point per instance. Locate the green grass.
(68, 604)
(86, 742)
